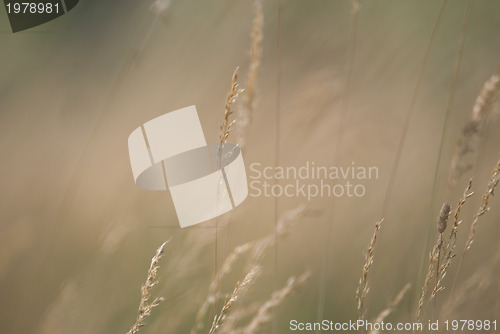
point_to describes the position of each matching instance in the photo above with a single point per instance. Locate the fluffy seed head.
(443, 217)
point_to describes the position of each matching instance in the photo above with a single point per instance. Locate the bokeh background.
(77, 235)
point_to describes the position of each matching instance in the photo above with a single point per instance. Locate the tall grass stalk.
(444, 130)
(483, 208)
(485, 102)
(336, 154)
(263, 313)
(145, 305)
(277, 144)
(256, 250)
(225, 129)
(239, 289)
(363, 287)
(245, 113)
(391, 307)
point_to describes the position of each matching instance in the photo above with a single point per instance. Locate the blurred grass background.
(77, 235)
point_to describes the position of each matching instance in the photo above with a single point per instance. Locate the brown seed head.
(443, 217)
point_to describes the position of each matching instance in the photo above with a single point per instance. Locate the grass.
(273, 267)
(362, 291)
(257, 250)
(145, 305)
(235, 318)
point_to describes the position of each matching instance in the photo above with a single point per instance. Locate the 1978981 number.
(471, 325)
(32, 8)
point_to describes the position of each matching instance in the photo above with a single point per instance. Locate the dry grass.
(449, 248)
(469, 138)
(428, 278)
(472, 288)
(259, 247)
(443, 251)
(257, 250)
(483, 208)
(234, 92)
(492, 184)
(214, 290)
(456, 221)
(363, 288)
(391, 307)
(236, 318)
(145, 305)
(250, 98)
(159, 7)
(238, 290)
(442, 223)
(225, 130)
(263, 313)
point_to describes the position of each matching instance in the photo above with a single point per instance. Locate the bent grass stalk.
(441, 227)
(485, 102)
(439, 258)
(277, 143)
(472, 287)
(448, 249)
(225, 130)
(391, 307)
(263, 314)
(434, 257)
(214, 290)
(427, 280)
(362, 290)
(495, 177)
(483, 208)
(239, 289)
(234, 92)
(249, 99)
(406, 125)
(355, 8)
(257, 250)
(145, 306)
